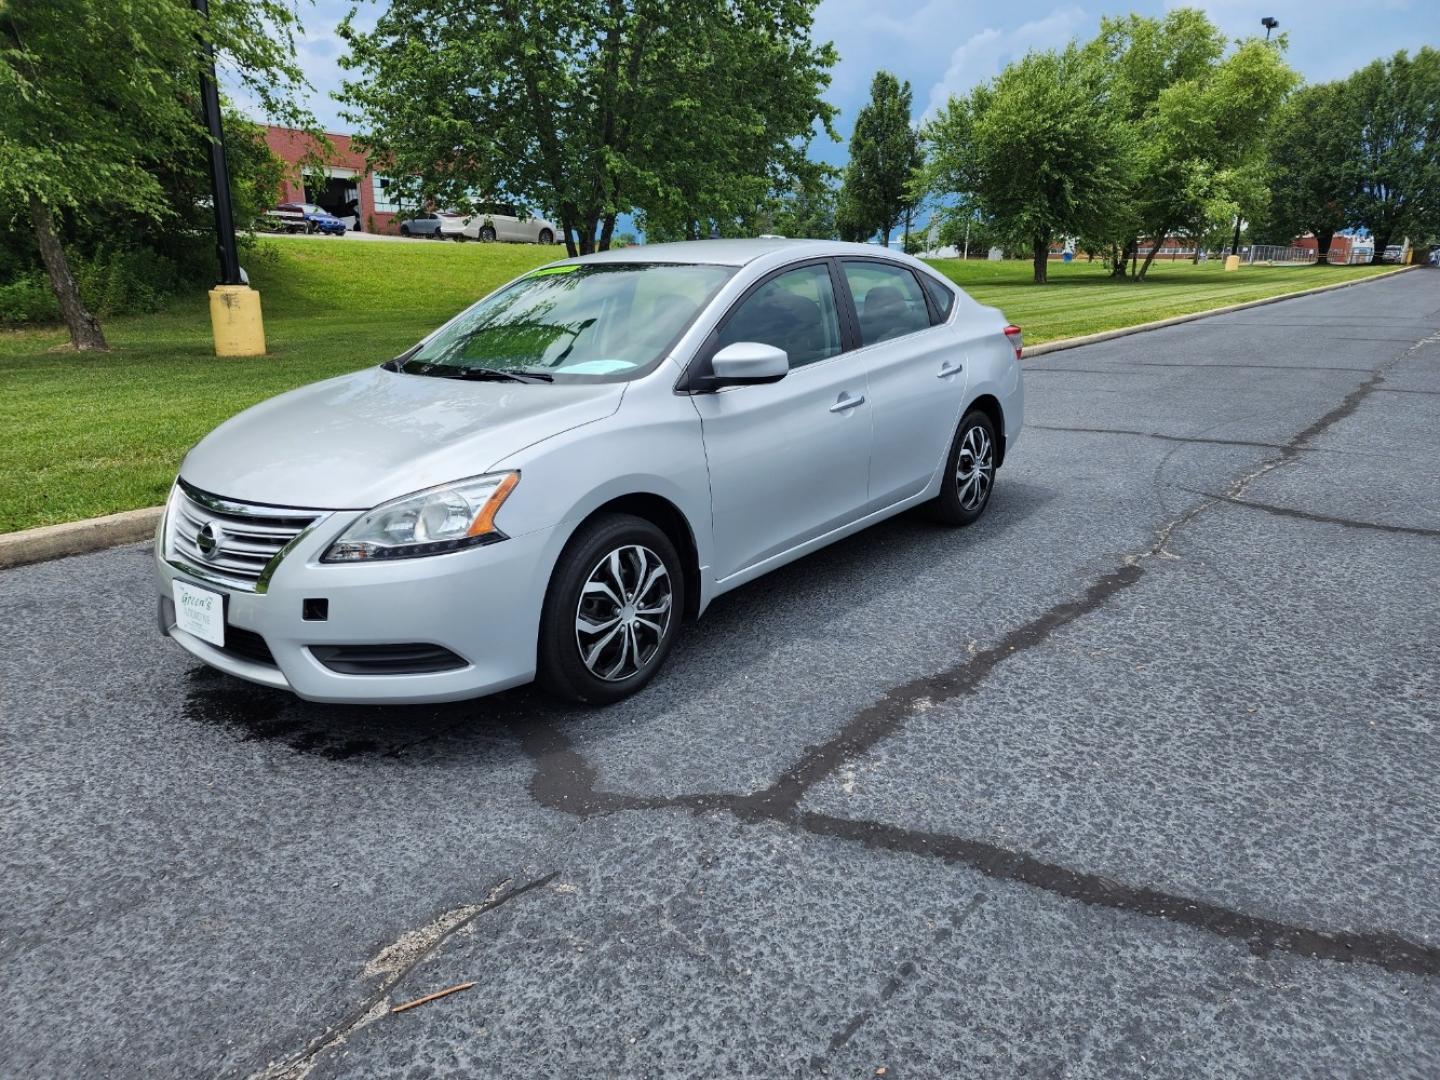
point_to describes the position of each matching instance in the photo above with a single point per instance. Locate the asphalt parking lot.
(1137, 777)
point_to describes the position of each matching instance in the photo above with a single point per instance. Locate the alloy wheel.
(624, 612)
(975, 468)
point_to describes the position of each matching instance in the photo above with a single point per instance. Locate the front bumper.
(482, 603)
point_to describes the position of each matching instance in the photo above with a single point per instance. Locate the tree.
(1199, 118)
(884, 155)
(1395, 167)
(93, 95)
(1041, 152)
(1310, 150)
(686, 111)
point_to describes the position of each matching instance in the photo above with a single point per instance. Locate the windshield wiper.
(499, 375)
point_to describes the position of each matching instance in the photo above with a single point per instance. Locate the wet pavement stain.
(258, 714)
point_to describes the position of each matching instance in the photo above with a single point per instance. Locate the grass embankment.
(82, 435)
(1081, 298)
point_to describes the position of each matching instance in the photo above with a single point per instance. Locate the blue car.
(315, 219)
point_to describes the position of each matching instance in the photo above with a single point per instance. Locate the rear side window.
(888, 301)
(794, 311)
(940, 296)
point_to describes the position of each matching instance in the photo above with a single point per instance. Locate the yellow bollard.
(1232, 262)
(235, 318)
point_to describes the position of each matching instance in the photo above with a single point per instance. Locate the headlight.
(429, 522)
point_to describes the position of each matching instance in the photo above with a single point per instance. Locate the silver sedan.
(551, 482)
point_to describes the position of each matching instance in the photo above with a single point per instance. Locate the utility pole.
(235, 315)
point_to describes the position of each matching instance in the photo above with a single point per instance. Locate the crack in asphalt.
(566, 781)
(1297, 368)
(1161, 436)
(396, 961)
(1324, 519)
(903, 974)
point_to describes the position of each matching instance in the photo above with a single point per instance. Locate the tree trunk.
(1322, 246)
(1122, 264)
(1154, 249)
(885, 237)
(1382, 241)
(84, 328)
(1042, 260)
(607, 230)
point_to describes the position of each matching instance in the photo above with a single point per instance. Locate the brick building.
(349, 186)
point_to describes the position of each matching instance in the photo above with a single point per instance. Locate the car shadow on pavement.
(738, 629)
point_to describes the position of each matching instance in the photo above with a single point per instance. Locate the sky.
(945, 47)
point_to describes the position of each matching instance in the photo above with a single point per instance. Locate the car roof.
(728, 252)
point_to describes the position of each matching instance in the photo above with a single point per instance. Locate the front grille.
(409, 659)
(247, 645)
(248, 536)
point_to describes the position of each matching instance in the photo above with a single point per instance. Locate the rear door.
(788, 460)
(916, 375)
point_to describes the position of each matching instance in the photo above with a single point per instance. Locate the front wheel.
(611, 612)
(969, 472)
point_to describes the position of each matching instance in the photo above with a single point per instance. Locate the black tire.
(404, 230)
(965, 492)
(487, 233)
(546, 237)
(562, 669)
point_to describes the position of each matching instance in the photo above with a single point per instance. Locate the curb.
(1176, 320)
(132, 526)
(78, 537)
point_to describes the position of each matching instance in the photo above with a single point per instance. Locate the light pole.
(234, 307)
(1270, 23)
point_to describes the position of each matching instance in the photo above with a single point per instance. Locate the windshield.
(596, 323)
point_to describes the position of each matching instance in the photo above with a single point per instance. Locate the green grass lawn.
(85, 435)
(1082, 299)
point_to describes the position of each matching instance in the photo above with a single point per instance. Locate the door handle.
(946, 370)
(847, 402)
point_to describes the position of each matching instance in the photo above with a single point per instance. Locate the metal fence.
(1272, 255)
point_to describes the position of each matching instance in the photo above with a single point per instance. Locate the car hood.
(358, 440)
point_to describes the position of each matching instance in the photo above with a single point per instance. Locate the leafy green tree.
(1199, 118)
(1311, 146)
(94, 95)
(884, 155)
(1041, 152)
(685, 111)
(1395, 166)
(804, 208)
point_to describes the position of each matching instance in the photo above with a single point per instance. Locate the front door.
(788, 460)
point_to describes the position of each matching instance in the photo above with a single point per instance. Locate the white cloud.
(981, 56)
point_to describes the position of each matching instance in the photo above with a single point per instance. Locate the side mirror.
(746, 363)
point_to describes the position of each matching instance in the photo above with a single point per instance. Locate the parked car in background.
(285, 218)
(550, 483)
(426, 225)
(1393, 254)
(502, 222)
(307, 217)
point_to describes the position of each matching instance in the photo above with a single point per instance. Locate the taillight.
(1012, 334)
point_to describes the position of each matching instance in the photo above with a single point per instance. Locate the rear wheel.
(969, 472)
(547, 237)
(611, 612)
(487, 233)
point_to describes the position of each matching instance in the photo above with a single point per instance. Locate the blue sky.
(947, 46)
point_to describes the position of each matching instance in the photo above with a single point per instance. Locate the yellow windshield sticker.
(547, 271)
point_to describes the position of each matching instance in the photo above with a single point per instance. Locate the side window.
(795, 312)
(888, 301)
(940, 296)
